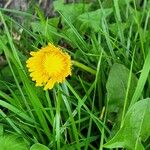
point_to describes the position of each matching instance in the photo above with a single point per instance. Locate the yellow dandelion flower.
(48, 66)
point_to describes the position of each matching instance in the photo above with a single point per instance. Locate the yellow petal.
(48, 66)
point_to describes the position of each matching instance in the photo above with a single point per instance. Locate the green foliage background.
(105, 104)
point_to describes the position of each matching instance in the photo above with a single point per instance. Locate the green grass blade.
(142, 80)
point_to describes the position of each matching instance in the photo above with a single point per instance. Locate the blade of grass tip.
(74, 128)
(142, 80)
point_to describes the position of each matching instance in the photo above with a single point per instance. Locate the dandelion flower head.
(48, 66)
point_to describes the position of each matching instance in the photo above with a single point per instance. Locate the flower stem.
(84, 67)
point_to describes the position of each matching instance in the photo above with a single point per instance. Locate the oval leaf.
(135, 129)
(117, 85)
(39, 146)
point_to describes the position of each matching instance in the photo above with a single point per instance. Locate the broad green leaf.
(117, 84)
(11, 142)
(135, 129)
(39, 146)
(93, 19)
(119, 93)
(71, 11)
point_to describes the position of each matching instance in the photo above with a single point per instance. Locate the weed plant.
(104, 104)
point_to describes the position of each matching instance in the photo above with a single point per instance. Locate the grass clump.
(97, 107)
